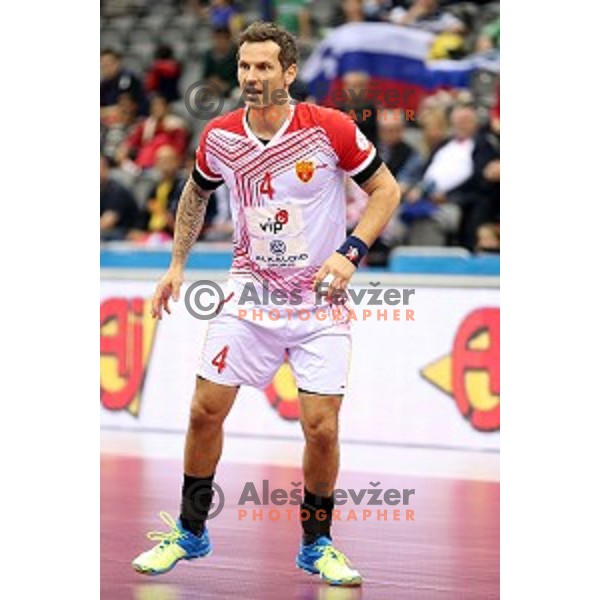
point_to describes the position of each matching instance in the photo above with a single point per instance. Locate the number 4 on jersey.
(266, 187)
(219, 360)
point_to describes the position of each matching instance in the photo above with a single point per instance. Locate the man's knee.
(322, 434)
(207, 411)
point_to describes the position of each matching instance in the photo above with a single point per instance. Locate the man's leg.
(204, 442)
(319, 418)
(203, 446)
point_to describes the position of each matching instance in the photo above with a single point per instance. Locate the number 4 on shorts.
(219, 360)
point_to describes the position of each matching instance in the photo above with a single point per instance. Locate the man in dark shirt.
(118, 210)
(394, 151)
(115, 80)
(356, 102)
(158, 215)
(220, 62)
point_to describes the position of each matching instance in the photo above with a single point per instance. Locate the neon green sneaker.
(174, 546)
(322, 558)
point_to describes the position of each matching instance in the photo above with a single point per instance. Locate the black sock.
(196, 498)
(312, 527)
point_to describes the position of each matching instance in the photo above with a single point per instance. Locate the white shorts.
(250, 350)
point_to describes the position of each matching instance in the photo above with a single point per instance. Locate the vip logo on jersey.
(275, 225)
(305, 169)
(471, 373)
(278, 247)
(126, 335)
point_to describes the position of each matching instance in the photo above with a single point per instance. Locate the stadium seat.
(134, 63)
(143, 51)
(124, 24)
(192, 73)
(172, 35)
(111, 37)
(164, 10)
(186, 23)
(154, 22)
(142, 35)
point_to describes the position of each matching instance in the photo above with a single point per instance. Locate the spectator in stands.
(433, 121)
(426, 15)
(115, 80)
(374, 10)
(357, 104)
(488, 239)
(163, 75)
(485, 202)
(224, 14)
(454, 195)
(403, 162)
(117, 126)
(161, 128)
(220, 62)
(489, 37)
(347, 11)
(294, 16)
(118, 210)
(267, 12)
(158, 214)
(394, 151)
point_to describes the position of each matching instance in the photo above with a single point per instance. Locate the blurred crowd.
(446, 160)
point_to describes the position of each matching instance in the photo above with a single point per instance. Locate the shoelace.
(166, 538)
(331, 552)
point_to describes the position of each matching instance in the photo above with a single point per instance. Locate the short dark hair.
(163, 52)
(221, 31)
(263, 31)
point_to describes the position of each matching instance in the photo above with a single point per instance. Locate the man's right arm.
(188, 224)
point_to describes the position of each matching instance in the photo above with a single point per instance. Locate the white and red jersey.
(288, 200)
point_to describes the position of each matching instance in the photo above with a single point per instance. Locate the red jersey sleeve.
(354, 150)
(206, 170)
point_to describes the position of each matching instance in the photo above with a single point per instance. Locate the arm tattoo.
(189, 221)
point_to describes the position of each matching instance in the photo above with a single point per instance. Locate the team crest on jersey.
(305, 170)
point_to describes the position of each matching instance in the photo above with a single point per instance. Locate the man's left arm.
(384, 197)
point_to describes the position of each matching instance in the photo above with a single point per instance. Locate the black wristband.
(354, 249)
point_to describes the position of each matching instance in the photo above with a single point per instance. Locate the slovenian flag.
(396, 59)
